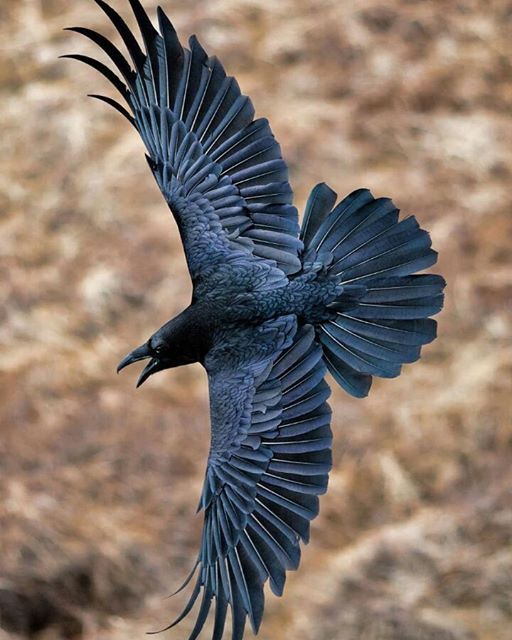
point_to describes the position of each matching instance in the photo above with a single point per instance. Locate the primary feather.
(271, 309)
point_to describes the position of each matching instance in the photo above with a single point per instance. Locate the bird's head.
(165, 350)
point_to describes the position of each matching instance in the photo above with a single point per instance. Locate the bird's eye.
(159, 349)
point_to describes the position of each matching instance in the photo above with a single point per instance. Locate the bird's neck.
(188, 334)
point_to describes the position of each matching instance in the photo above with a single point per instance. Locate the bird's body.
(274, 307)
(305, 296)
(242, 297)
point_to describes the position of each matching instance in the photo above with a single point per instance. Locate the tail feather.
(374, 347)
(358, 360)
(382, 230)
(357, 384)
(320, 203)
(345, 221)
(403, 333)
(382, 317)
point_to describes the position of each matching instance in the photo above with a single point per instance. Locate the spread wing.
(220, 171)
(269, 460)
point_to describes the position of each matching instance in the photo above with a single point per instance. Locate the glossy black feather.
(113, 103)
(128, 38)
(319, 205)
(104, 70)
(173, 60)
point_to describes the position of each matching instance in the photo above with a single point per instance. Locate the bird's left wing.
(220, 171)
(269, 460)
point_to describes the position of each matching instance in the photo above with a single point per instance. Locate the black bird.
(273, 307)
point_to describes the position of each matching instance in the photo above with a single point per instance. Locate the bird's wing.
(220, 170)
(269, 460)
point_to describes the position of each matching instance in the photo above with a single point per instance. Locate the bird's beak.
(141, 353)
(152, 366)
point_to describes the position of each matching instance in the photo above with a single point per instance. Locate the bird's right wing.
(269, 460)
(220, 171)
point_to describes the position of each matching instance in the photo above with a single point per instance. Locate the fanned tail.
(382, 317)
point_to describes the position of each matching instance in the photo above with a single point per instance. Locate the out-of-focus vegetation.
(99, 483)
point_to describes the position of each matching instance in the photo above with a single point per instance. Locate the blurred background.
(99, 483)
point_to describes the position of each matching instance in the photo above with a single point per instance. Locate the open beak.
(141, 353)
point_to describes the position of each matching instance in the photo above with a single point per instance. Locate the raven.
(274, 307)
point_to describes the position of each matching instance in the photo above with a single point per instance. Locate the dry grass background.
(99, 483)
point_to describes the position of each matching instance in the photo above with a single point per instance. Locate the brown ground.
(100, 483)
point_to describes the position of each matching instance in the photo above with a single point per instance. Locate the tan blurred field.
(99, 483)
